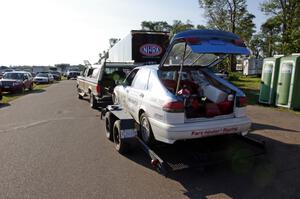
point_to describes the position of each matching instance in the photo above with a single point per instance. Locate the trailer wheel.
(146, 131)
(120, 144)
(109, 125)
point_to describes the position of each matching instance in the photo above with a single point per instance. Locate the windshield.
(13, 76)
(42, 75)
(175, 57)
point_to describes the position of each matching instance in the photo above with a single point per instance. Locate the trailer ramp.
(203, 152)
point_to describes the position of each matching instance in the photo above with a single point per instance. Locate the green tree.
(287, 13)
(156, 26)
(113, 41)
(179, 26)
(271, 33)
(257, 45)
(232, 16)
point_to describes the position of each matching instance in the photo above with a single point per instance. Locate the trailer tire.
(109, 125)
(146, 133)
(121, 145)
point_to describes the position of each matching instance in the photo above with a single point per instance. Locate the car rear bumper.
(169, 133)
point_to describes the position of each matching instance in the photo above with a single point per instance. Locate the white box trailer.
(140, 47)
(39, 69)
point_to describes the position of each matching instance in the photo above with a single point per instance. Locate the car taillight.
(192, 40)
(98, 89)
(239, 42)
(241, 101)
(174, 107)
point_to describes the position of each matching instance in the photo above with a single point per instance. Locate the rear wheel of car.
(93, 103)
(121, 145)
(109, 125)
(145, 130)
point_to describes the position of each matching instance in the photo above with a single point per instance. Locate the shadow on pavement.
(257, 126)
(274, 174)
(2, 105)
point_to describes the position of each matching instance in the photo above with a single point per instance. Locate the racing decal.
(215, 131)
(150, 50)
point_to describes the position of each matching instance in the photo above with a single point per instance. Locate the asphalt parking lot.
(52, 145)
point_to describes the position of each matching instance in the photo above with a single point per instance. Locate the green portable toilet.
(288, 86)
(269, 77)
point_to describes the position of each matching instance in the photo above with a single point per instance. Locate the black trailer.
(122, 129)
(140, 47)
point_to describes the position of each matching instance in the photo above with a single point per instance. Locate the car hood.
(10, 80)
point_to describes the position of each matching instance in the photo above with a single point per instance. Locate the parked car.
(56, 75)
(98, 81)
(43, 78)
(182, 98)
(16, 81)
(73, 74)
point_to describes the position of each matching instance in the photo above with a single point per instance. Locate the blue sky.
(46, 32)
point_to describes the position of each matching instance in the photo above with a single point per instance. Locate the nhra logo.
(150, 50)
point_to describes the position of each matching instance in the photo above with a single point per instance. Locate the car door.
(136, 92)
(122, 90)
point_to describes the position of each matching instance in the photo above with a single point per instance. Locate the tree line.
(279, 34)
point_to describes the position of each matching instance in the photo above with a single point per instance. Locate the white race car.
(182, 98)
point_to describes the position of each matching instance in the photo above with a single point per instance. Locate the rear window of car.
(190, 58)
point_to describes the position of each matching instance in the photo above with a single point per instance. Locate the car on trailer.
(181, 98)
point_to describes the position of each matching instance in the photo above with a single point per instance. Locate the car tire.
(121, 145)
(109, 125)
(93, 103)
(146, 133)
